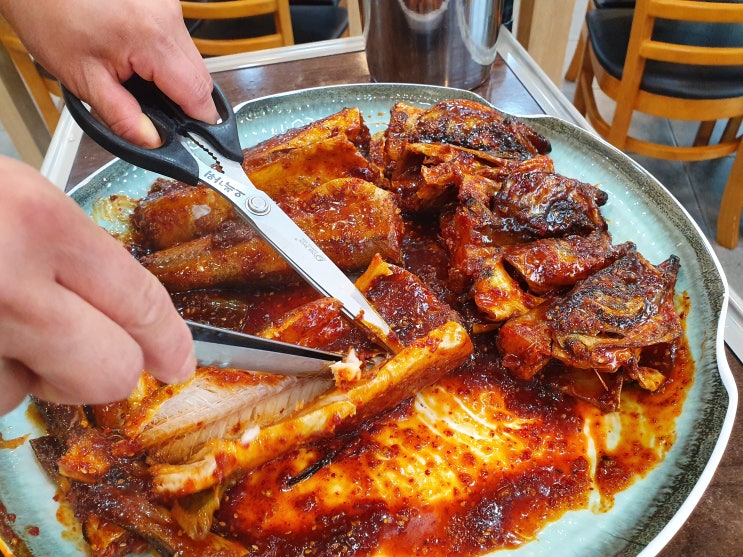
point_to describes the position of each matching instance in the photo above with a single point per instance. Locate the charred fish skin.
(602, 324)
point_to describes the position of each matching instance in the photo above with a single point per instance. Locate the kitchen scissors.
(181, 137)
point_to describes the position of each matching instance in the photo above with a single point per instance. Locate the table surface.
(516, 86)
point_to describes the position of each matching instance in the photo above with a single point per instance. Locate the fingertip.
(176, 361)
(203, 108)
(177, 374)
(187, 369)
(193, 93)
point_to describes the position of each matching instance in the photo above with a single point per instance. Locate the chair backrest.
(710, 50)
(42, 87)
(280, 35)
(713, 47)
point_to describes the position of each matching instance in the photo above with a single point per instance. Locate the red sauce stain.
(11, 444)
(417, 483)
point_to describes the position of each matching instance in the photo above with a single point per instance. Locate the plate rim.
(663, 536)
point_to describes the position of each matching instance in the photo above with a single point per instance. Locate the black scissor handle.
(171, 158)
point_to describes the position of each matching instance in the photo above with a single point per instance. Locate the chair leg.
(579, 100)
(728, 219)
(576, 61)
(584, 81)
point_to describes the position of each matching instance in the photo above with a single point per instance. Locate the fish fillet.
(418, 365)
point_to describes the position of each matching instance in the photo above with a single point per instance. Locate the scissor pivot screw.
(258, 205)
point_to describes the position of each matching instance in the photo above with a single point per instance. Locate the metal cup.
(434, 42)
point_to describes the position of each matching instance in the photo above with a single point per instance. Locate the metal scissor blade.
(298, 249)
(224, 348)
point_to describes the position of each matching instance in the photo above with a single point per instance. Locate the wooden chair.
(673, 59)
(42, 87)
(208, 23)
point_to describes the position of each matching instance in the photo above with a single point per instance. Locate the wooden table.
(516, 85)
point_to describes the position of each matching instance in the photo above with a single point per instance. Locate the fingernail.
(148, 133)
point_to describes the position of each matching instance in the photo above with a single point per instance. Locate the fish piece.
(88, 455)
(115, 508)
(242, 310)
(341, 409)
(477, 126)
(233, 256)
(107, 539)
(293, 171)
(496, 293)
(546, 205)
(321, 324)
(624, 307)
(353, 216)
(174, 212)
(428, 175)
(556, 263)
(602, 324)
(462, 123)
(408, 305)
(525, 343)
(472, 223)
(177, 420)
(348, 122)
(130, 509)
(350, 219)
(489, 179)
(509, 281)
(523, 208)
(411, 308)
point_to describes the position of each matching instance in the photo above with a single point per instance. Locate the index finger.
(96, 267)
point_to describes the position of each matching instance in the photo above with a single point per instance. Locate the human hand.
(80, 318)
(93, 46)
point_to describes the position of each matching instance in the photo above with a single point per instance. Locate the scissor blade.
(239, 357)
(298, 249)
(223, 348)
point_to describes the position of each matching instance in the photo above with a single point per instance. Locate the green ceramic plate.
(645, 516)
